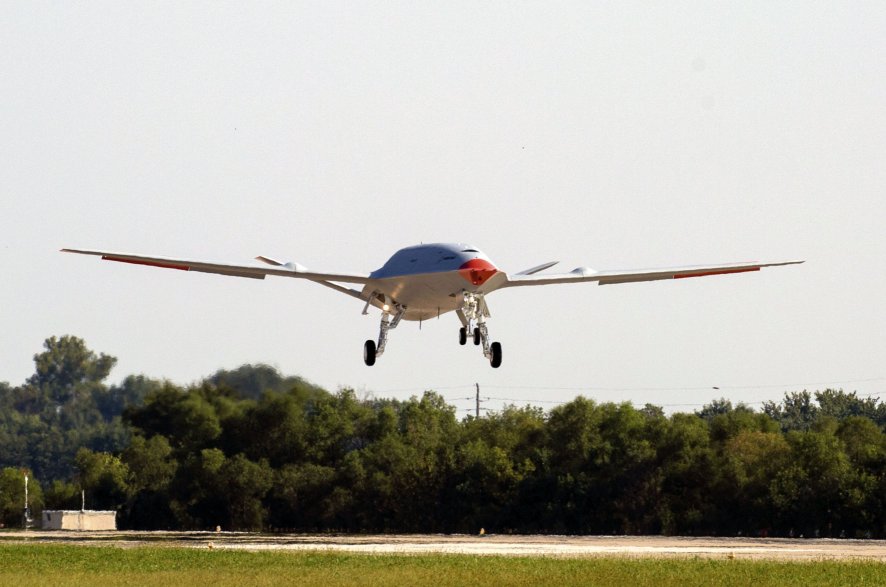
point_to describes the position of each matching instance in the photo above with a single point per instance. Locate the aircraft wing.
(253, 272)
(610, 277)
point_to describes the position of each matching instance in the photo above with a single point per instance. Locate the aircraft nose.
(477, 271)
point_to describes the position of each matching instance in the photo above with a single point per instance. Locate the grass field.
(38, 564)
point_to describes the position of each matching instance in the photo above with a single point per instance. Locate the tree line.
(250, 449)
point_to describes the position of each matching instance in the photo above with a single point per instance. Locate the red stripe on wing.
(721, 272)
(147, 263)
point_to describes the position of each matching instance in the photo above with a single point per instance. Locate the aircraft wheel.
(462, 336)
(369, 353)
(495, 349)
(476, 336)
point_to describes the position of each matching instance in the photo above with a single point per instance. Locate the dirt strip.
(509, 545)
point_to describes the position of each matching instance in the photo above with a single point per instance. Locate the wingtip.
(783, 263)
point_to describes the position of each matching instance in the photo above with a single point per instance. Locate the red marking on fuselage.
(723, 272)
(147, 263)
(477, 271)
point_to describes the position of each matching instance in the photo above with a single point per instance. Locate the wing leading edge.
(612, 277)
(249, 271)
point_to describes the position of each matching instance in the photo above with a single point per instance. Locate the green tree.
(752, 460)
(814, 490)
(275, 428)
(298, 495)
(603, 466)
(251, 381)
(515, 493)
(395, 478)
(485, 486)
(336, 425)
(730, 423)
(130, 392)
(683, 498)
(796, 411)
(865, 445)
(150, 462)
(104, 477)
(716, 408)
(211, 490)
(197, 500)
(864, 441)
(67, 369)
(152, 469)
(245, 484)
(184, 417)
(45, 421)
(7, 397)
(63, 495)
(839, 404)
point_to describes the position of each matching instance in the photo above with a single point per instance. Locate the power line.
(634, 403)
(425, 388)
(477, 399)
(596, 388)
(641, 388)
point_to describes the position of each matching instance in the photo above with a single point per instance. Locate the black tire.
(495, 349)
(369, 353)
(462, 336)
(477, 336)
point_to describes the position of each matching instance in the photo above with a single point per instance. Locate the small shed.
(79, 520)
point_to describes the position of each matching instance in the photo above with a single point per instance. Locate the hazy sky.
(612, 135)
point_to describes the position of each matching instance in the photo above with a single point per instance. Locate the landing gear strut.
(474, 311)
(371, 350)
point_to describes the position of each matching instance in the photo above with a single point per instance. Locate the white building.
(79, 520)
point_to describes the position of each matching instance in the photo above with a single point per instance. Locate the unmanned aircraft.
(428, 280)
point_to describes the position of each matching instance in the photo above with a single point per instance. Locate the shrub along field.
(55, 565)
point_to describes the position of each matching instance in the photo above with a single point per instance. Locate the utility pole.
(478, 400)
(26, 517)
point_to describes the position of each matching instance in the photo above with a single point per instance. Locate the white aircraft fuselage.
(429, 279)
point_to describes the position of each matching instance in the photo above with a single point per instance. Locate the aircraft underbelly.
(426, 295)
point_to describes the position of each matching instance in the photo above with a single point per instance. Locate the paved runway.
(558, 546)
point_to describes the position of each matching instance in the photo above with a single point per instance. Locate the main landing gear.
(371, 350)
(474, 311)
